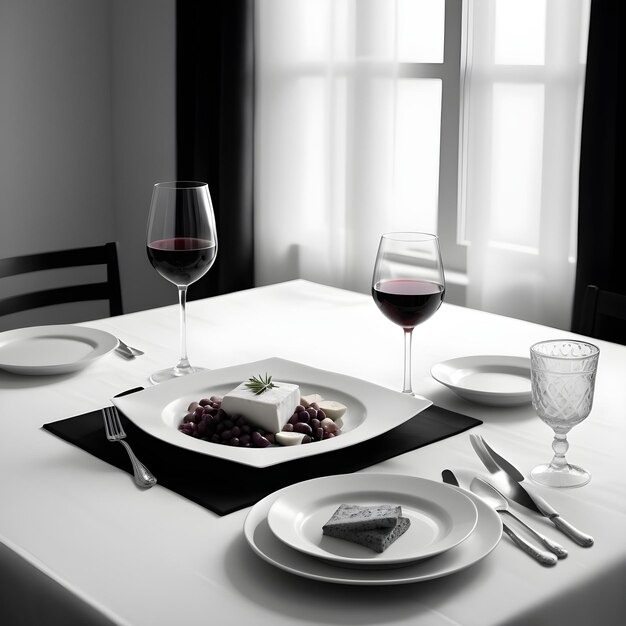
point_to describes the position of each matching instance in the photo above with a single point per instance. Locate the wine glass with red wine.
(408, 284)
(182, 246)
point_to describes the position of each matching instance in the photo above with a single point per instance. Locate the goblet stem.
(560, 446)
(183, 364)
(408, 336)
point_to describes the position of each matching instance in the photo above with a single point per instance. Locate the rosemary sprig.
(259, 385)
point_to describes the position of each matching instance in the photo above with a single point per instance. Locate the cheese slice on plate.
(269, 410)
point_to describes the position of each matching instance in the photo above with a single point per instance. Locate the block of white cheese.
(269, 410)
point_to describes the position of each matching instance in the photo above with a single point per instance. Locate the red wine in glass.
(182, 260)
(408, 302)
(408, 284)
(181, 243)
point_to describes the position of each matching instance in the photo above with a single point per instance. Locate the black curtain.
(214, 128)
(602, 210)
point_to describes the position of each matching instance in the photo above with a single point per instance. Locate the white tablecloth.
(79, 543)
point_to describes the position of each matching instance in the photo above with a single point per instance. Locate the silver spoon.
(497, 501)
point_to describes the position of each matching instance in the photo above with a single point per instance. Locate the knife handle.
(582, 539)
(545, 558)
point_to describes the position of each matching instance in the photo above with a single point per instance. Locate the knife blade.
(509, 468)
(523, 496)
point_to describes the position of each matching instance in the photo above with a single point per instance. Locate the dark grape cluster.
(312, 422)
(207, 420)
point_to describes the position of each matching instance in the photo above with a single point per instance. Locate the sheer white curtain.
(349, 145)
(344, 150)
(521, 116)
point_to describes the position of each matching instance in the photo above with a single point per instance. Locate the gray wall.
(87, 126)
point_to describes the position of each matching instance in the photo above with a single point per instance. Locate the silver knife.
(523, 496)
(545, 558)
(510, 469)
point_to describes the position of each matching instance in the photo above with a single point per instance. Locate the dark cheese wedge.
(377, 539)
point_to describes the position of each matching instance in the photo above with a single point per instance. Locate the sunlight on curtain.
(523, 109)
(348, 130)
(345, 150)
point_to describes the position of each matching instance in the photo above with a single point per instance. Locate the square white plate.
(371, 410)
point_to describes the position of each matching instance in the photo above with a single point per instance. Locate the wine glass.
(563, 374)
(408, 284)
(182, 246)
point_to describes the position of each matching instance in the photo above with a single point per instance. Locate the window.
(457, 117)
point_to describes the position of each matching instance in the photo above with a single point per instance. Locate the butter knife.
(522, 495)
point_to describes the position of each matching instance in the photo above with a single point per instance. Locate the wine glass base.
(174, 372)
(569, 476)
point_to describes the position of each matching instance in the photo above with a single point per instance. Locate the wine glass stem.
(408, 335)
(182, 299)
(559, 446)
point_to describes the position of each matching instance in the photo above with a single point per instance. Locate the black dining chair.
(107, 290)
(604, 315)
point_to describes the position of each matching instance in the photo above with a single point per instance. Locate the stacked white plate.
(450, 529)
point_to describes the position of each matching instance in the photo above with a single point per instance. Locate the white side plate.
(477, 546)
(371, 410)
(496, 380)
(46, 350)
(441, 517)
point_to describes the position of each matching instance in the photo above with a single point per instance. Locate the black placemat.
(224, 486)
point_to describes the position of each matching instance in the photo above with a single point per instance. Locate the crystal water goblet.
(563, 374)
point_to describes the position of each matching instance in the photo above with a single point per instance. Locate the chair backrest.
(604, 315)
(105, 255)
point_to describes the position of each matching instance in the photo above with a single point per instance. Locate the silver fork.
(115, 432)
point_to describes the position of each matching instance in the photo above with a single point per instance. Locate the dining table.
(81, 543)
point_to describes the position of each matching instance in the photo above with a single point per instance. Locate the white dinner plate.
(440, 517)
(46, 350)
(477, 546)
(371, 410)
(497, 380)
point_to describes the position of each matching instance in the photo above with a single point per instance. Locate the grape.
(262, 443)
(303, 428)
(207, 420)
